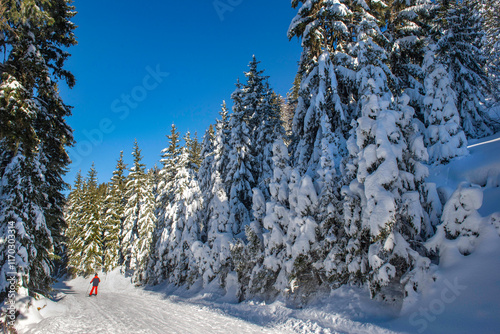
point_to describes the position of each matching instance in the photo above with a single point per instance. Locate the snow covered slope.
(122, 308)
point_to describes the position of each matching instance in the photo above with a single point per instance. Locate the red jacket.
(95, 281)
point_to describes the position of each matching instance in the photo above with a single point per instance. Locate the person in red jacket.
(95, 282)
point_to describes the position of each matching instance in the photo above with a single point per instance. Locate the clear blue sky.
(143, 65)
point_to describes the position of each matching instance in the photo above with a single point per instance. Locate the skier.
(95, 282)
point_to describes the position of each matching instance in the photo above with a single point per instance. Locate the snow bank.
(480, 167)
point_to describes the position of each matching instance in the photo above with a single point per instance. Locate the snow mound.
(481, 167)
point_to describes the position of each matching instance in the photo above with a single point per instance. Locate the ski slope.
(120, 308)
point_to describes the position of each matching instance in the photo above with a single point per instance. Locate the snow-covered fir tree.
(240, 165)
(146, 224)
(460, 49)
(218, 236)
(204, 176)
(170, 161)
(320, 125)
(260, 103)
(444, 136)
(383, 210)
(487, 10)
(74, 218)
(319, 110)
(177, 260)
(90, 259)
(113, 215)
(33, 137)
(271, 277)
(408, 26)
(22, 223)
(137, 195)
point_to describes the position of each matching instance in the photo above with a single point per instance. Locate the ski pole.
(88, 289)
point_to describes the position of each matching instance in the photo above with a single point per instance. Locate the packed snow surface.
(122, 308)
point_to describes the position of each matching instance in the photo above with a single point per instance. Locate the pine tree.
(170, 161)
(460, 49)
(146, 225)
(114, 206)
(194, 148)
(178, 263)
(218, 232)
(487, 10)
(265, 125)
(20, 219)
(320, 125)
(35, 133)
(240, 165)
(74, 219)
(408, 26)
(383, 207)
(322, 28)
(204, 177)
(272, 277)
(91, 257)
(165, 194)
(136, 183)
(221, 144)
(444, 136)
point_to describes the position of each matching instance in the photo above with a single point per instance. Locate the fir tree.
(91, 259)
(146, 225)
(383, 210)
(263, 105)
(204, 177)
(135, 186)
(194, 148)
(181, 232)
(320, 125)
(487, 10)
(272, 277)
(218, 232)
(74, 218)
(408, 25)
(20, 219)
(444, 136)
(460, 49)
(240, 171)
(321, 26)
(170, 159)
(88, 244)
(35, 133)
(114, 206)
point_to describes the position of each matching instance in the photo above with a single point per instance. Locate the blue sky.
(141, 66)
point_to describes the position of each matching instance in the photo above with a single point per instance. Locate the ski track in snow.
(137, 311)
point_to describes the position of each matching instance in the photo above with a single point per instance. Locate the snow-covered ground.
(122, 308)
(465, 298)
